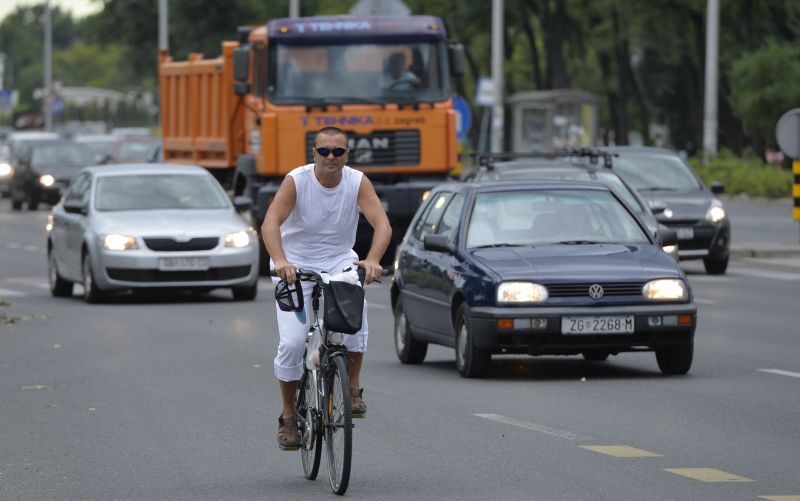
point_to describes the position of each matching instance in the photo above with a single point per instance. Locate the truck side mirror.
(241, 70)
(456, 55)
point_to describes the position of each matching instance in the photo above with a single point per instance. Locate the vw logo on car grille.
(596, 291)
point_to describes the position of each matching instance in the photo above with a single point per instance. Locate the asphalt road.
(173, 398)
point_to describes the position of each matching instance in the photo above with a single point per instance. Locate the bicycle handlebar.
(305, 274)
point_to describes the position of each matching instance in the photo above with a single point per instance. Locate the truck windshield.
(357, 73)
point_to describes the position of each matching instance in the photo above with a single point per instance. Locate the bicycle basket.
(344, 307)
(289, 297)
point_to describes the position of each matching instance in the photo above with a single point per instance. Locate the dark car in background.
(666, 180)
(44, 169)
(581, 165)
(538, 268)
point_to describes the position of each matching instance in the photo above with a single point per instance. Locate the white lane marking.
(380, 306)
(772, 275)
(11, 293)
(781, 372)
(705, 301)
(532, 426)
(31, 248)
(12, 245)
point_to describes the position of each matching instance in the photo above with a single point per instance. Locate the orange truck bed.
(199, 110)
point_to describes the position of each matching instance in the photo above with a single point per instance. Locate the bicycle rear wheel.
(339, 425)
(308, 423)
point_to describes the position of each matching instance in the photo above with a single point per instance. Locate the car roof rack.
(487, 160)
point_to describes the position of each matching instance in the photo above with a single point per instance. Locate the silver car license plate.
(685, 232)
(597, 325)
(183, 264)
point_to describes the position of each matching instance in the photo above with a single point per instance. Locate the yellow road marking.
(708, 475)
(621, 451)
(780, 498)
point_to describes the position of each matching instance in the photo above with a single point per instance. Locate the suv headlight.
(521, 292)
(47, 180)
(667, 289)
(715, 212)
(238, 239)
(6, 170)
(117, 242)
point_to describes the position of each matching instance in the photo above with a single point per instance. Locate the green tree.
(764, 85)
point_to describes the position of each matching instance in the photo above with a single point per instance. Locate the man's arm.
(382, 231)
(277, 212)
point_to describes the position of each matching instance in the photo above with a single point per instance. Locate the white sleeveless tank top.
(321, 230)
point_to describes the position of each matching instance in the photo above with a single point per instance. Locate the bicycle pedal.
(359, 416)
(289, 449)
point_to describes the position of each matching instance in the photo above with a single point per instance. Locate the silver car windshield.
(539, 217)
(162, 191)
(656, 172)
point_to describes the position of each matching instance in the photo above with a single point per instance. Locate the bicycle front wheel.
(310, 432)
(339, 425)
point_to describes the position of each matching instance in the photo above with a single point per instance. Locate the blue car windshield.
(540, 217)
(162, 191)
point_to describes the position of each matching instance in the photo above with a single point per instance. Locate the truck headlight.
(117, 242)
(715, 212)
(665, 289)
(47, 180)
(521, 292)
(238, 239)
(6, 170)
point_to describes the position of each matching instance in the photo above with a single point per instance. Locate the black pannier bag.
(344, 307)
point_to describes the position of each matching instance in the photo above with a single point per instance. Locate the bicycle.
(323, 401)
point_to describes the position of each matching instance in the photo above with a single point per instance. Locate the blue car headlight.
(665, 289)
(521, 292)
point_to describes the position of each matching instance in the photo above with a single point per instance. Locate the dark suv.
(684, 203)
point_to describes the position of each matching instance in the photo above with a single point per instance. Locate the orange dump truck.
(250, 115)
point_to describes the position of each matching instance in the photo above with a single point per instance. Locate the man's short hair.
(330, 131)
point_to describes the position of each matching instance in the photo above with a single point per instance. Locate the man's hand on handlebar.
(286, 271)
(373, 269)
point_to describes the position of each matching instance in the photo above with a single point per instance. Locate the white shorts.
(294, 326)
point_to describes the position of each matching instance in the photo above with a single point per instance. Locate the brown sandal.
(288, 434)
(359, 406)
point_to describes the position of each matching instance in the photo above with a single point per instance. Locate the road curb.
(765, 251)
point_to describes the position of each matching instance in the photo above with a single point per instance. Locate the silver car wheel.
(87, 276)
(461, 346)
(52, 272)
(400, 332)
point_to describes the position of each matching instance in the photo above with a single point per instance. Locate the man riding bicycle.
(311, 223)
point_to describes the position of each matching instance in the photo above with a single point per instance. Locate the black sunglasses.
(337, 152)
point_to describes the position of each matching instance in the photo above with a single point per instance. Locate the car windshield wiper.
(579, 242)
(487, 246)
(657, 188)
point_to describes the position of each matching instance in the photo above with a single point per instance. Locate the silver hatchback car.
(150, 226)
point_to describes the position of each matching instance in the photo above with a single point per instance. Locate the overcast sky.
(79, 8)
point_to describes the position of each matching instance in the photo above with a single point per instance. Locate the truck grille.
(382, 148)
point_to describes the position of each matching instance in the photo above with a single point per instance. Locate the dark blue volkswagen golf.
(539, 268)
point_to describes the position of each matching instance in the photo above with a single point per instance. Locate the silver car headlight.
(6, 170)
(715, 212)
(117, 242)
(238, 239)
(47, 180)
(665, 289)
(521, 292)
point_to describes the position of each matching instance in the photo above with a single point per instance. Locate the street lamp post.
(498, 117)
(712, 57)
(48, 67)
